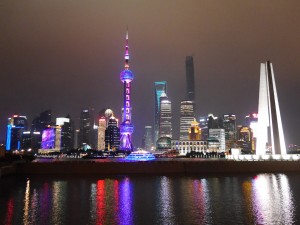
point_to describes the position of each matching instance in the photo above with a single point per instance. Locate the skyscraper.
(245, 135)
(160, 87)
(190, 78)
(67, 132)
(112, 135)
(269, 118)
(229, 124)
(15, 127)
(165, 120)
(101, 133)
(186, 118)
(45, 119)
(126, 128)
(148, 138)
(85, 128)
(203, 123)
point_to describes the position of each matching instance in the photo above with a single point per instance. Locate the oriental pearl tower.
(126, 127)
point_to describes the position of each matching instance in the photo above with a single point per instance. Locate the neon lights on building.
(126, 128)
(8, 137)
(48, 139)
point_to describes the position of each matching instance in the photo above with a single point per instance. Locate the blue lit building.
(15, 127)
(126, 127)
(160, 88)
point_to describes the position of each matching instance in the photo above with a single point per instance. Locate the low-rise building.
(186, 146)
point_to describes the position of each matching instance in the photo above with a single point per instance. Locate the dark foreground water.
(245, 199)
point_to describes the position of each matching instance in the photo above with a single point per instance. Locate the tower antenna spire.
(126, 51)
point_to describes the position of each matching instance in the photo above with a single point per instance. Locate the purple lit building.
(126, 127)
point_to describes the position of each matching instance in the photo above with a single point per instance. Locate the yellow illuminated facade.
(194, 131)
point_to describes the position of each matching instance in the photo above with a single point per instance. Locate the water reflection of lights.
(26, 203)
(288, 208)
(93, 202)
(201, 201)
(272, 199)
(10, 212)
(166, 202)
(111, 202)
(58, 201)
(126, 214)
(116, 201)
(100, 202)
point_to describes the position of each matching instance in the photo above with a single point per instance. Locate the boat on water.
(140, 155)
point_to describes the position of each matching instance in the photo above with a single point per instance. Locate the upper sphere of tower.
(108, 113)
(126, 75)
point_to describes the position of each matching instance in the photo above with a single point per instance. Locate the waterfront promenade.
(166, 166)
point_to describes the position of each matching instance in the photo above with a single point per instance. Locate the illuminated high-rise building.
(218, 134)
(245, 135)
(203, 123)
(103, 120)
(66, 132)
(112, 135)
(209, 122)
(85, 128)
(229, 124)
(160, 87)
(269, 118)
(251, 121)
(186, 118)
(126, 128)
(46, 119)
(250, 118)
(15, 127)
(165, 120)
(190, 78)
(101, 133)
(148, 138)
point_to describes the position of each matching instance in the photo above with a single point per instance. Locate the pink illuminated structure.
(126, 127)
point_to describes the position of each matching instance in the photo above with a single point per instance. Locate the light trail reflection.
(272, 199)
(26, 203)
(201, 201)
(166, 204)
(10, 212)
(125, 204)
(100, 202)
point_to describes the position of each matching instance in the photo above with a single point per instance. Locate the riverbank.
(85, 167)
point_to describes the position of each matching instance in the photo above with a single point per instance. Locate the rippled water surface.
(245, 199)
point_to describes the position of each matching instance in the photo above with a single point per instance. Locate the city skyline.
(71, 71)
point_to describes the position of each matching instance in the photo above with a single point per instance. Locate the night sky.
(66, 55)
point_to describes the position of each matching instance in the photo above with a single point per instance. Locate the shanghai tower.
(126, 127)
(190, 79)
